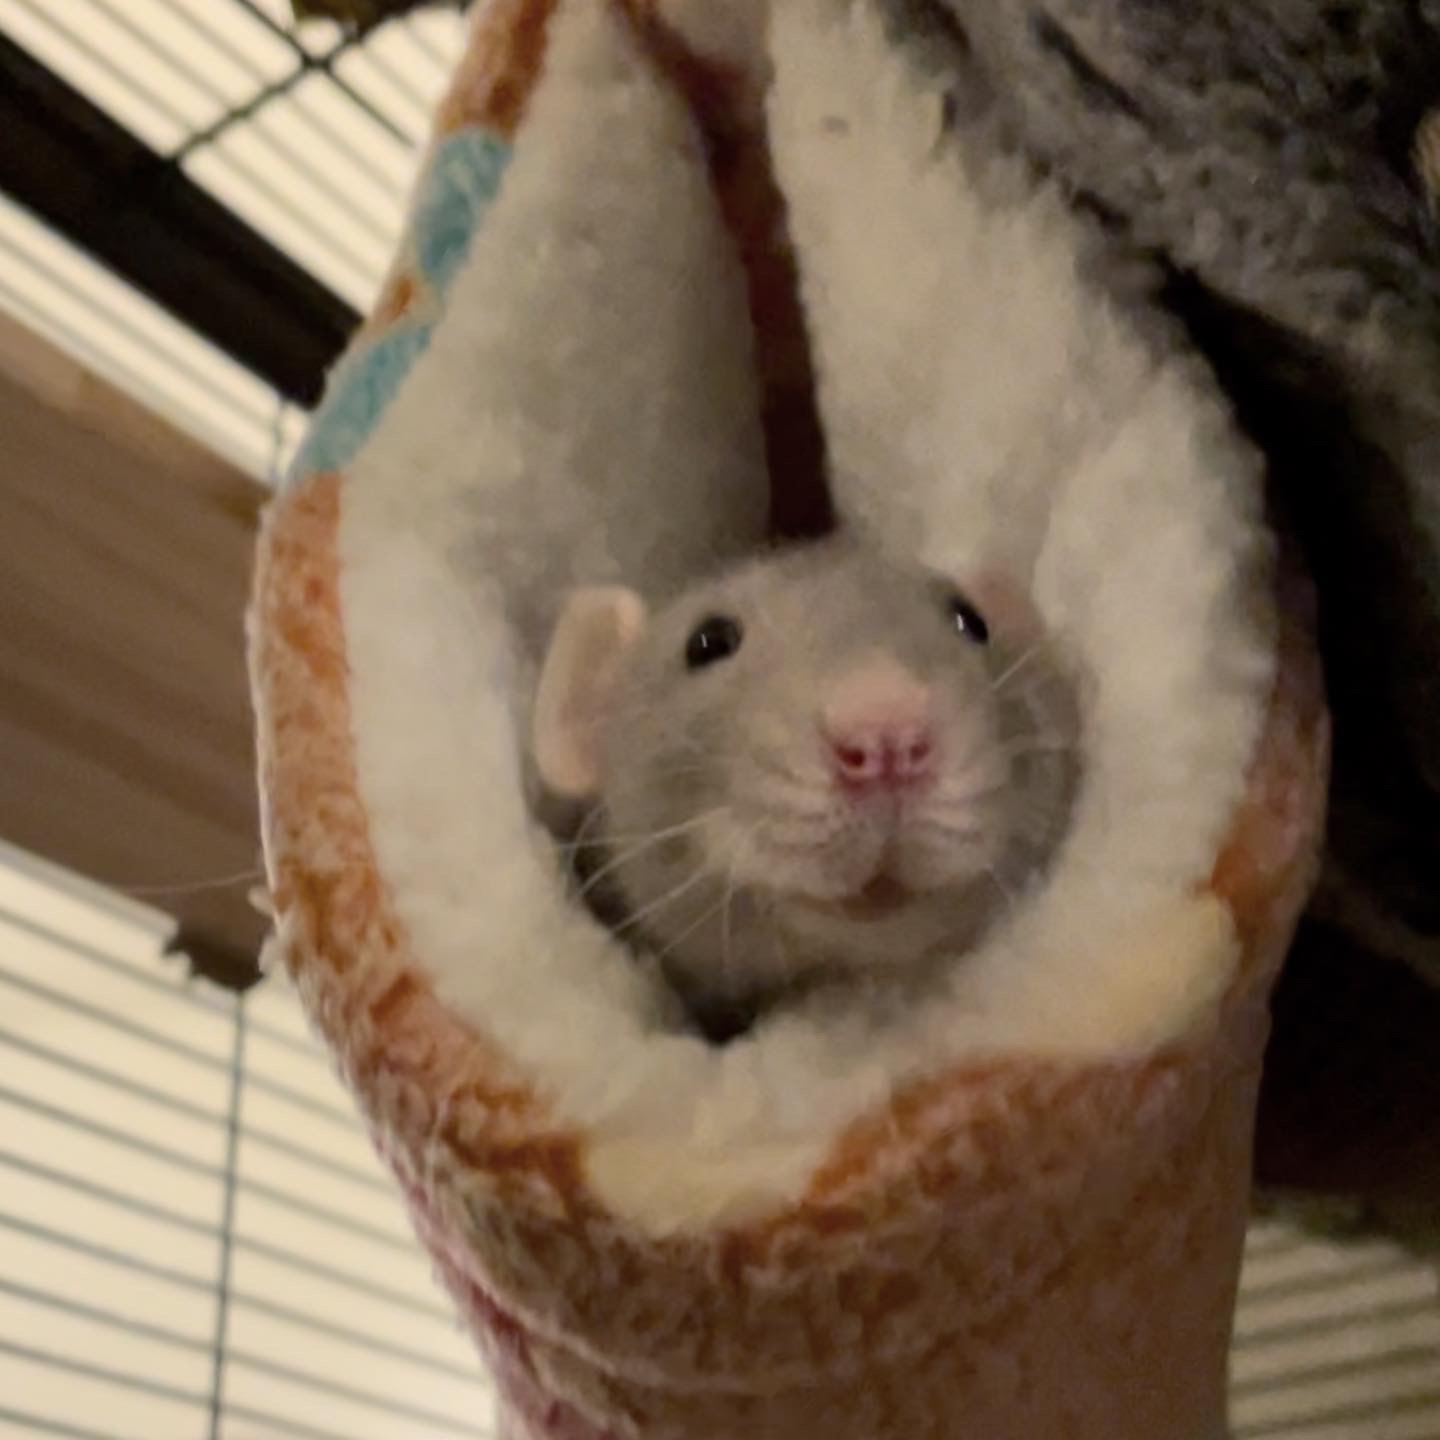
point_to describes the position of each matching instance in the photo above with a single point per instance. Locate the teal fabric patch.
(454, 195)
(463, 179)
(361, 386)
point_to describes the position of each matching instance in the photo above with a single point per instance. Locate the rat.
(819, 765)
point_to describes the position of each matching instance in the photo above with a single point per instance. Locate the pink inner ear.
(577, 686)
(1005, 604)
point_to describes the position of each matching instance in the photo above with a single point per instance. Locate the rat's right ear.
(596, 630)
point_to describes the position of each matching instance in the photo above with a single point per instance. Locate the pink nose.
(878, 725)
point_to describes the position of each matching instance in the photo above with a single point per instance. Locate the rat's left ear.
(596, 630)
(1003, 603)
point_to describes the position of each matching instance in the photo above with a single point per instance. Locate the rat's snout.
(879, 728)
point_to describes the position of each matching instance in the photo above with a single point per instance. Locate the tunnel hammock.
(647, 234)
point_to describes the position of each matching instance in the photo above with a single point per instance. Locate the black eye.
(968, 620)
(714, 638)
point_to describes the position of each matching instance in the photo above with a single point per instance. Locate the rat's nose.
(879, 729)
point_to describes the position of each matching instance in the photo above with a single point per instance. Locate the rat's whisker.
(621, 837)
(661, 771)
(727, 962)
(647, 842)
(771, 806)
(958, 796)
(938, 825)
(703, 918)
(819, 824)
(804, 778)
(1018, 666)
(1006, 893)
(700, 873)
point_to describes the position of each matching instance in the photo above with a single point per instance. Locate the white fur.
(587, 412)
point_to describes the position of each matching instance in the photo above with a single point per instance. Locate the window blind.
(196, 1239)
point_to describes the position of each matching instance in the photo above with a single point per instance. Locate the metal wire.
(326, 63)
(227, 1226)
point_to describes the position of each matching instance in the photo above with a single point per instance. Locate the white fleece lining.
(974, 391)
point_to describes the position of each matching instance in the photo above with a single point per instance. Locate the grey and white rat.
(823, 764)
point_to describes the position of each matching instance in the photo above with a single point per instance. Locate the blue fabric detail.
(463, 179)
(364, 383)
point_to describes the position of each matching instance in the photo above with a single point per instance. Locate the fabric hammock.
(1015, 1211)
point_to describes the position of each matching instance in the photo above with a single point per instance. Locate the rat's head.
(821, 760)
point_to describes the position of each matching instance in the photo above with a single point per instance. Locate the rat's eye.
(968, 620)
(714, 638)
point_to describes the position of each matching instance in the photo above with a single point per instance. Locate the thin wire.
(326, 63)
(227, 1223)
(192, 887)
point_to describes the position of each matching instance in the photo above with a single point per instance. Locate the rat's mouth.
(877, 899)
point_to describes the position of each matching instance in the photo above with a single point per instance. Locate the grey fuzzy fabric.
(1262, 152)
(1263, 149)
